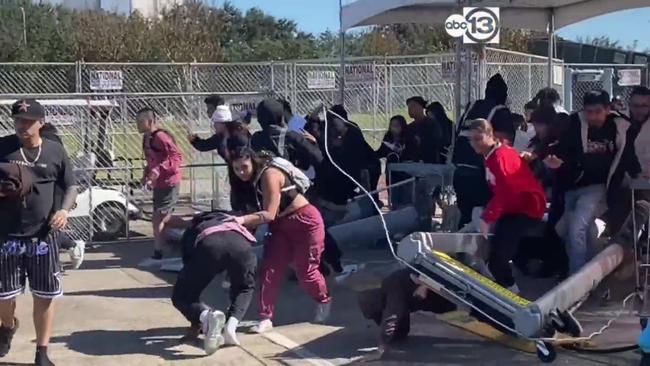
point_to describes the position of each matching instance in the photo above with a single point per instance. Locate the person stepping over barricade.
(517, 205)
(296, 228)
(589, 153)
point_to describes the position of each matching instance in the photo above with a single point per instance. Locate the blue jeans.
(581, 207)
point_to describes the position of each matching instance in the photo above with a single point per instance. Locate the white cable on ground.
(451, 293)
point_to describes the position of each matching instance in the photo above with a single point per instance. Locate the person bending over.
(517, 205)
(214, 243)
(297, 233)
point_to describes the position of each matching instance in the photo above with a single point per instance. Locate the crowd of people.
(543, 171)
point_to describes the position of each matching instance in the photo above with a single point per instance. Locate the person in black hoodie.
(424, 136)
(276, 138)
(588, 154)
(469, 178)
(437, 112)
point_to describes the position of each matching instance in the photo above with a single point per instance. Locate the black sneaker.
(42, 359)
(157, 255)
(6, 336)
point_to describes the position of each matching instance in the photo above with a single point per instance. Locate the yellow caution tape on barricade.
(482, 279)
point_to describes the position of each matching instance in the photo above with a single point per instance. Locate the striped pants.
(33, 259)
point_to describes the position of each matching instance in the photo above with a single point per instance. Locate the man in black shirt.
(30, 251)
(424, 138)
(588, 154)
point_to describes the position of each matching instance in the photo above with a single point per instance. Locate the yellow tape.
(482, 279)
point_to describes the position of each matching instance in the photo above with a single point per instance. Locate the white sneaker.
(264, 326)
(230, 332)
(323, 312)
(212, 328)
(77, 253)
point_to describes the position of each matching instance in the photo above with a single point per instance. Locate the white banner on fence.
(106, 80)
(321, 80)
(359, 74)
(631, 77)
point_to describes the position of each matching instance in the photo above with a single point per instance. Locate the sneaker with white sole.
(323, 312)
(264, 326)
(77, 253)
(212, 328)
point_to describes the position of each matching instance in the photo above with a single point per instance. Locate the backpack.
(153, 135)
(280, 144)
(297, 177)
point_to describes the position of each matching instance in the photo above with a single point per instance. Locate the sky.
(318, 15)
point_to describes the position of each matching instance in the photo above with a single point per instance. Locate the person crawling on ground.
(390, 306)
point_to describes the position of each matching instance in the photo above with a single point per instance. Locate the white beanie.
(222, 114)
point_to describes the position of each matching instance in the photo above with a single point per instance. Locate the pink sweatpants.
(299, 239)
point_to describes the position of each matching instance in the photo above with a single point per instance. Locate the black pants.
(391, 307)
(224, 251)
(509, 231)
(471, 191)
(65, 242)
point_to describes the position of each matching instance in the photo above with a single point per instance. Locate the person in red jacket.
(517, 205)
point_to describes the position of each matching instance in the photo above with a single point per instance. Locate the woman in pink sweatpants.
(297, 234)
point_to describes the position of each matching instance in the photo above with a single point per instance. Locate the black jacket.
(354, 156)
(424, 141)
(297, 149)
(571, 151)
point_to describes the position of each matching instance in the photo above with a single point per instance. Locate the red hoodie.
(515, 189)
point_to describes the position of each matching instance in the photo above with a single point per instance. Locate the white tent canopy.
(527, 14)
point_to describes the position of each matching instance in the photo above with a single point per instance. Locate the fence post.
(374, 97)
(568, 88)
(272, 65)
(608, 80)
(79, 76)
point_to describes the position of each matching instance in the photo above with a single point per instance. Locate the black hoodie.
(491, 108)
(295, 148)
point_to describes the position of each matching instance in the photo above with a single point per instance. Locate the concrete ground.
(114, 313)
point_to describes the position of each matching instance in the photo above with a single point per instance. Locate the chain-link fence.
(617, 79)
(94, 104)
(105, 148)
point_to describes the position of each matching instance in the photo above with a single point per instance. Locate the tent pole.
(342, 56)
(459, 78)
(551, 46)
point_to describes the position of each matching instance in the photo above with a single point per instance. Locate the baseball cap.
(28, 109)
(222, 114)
